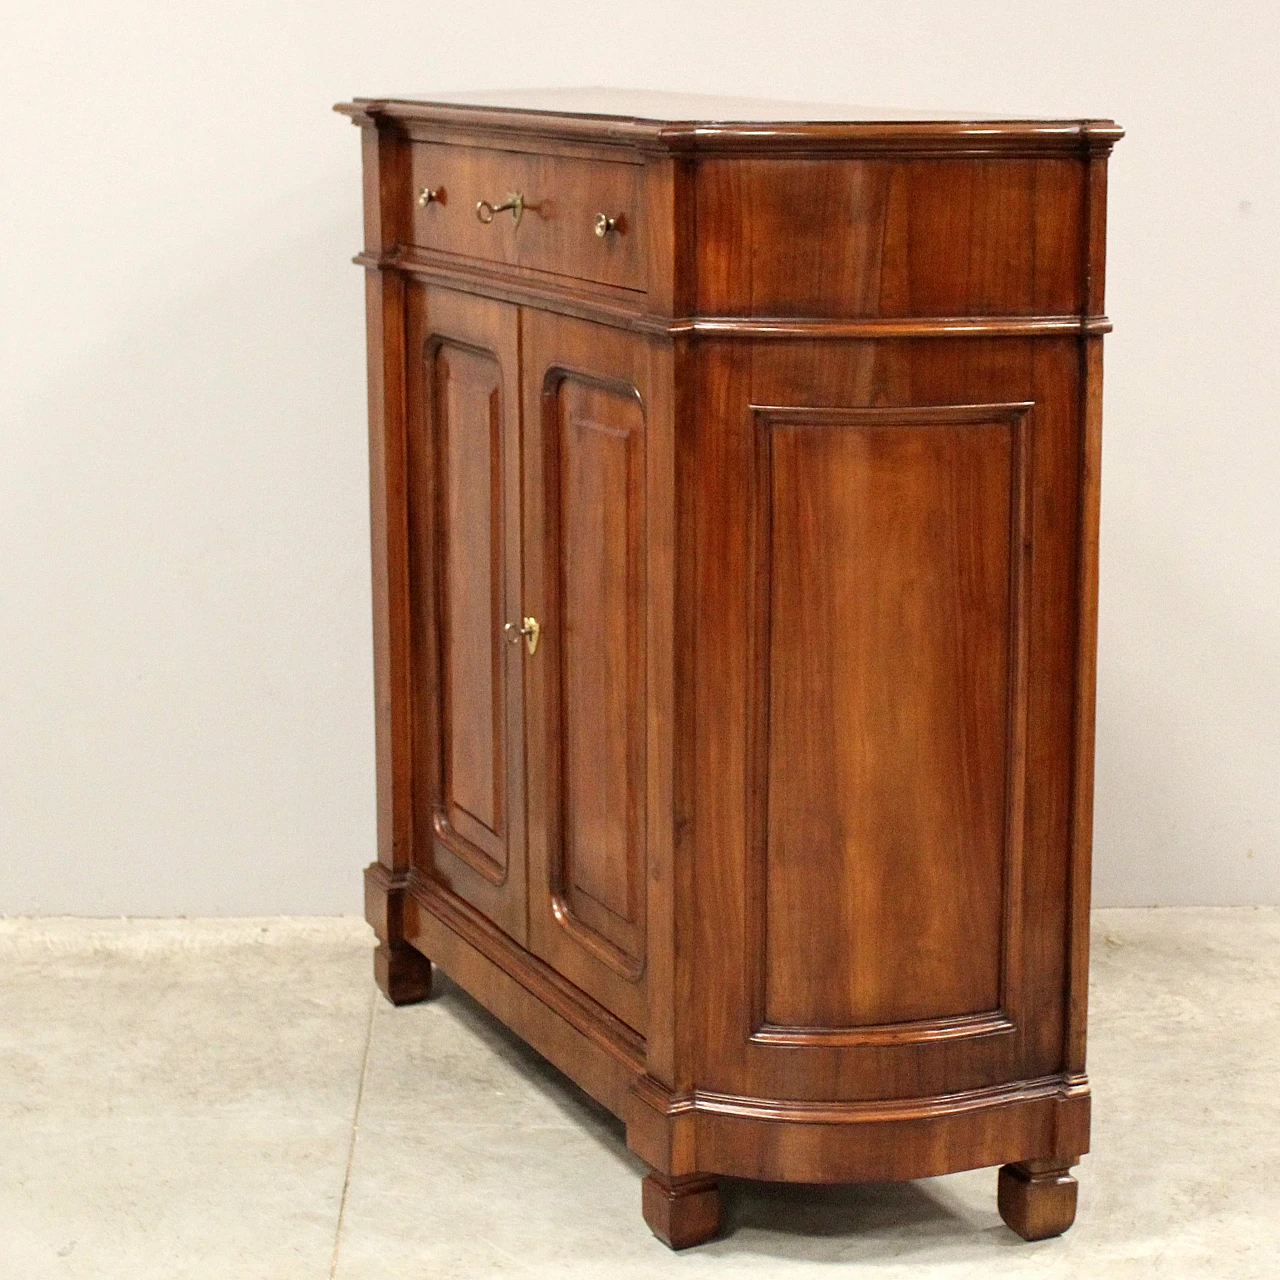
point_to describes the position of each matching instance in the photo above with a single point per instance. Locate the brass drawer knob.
(529, 628)
(514, 201)
(605, 224)
(430, 195)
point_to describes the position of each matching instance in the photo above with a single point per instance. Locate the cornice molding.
(1025, 138)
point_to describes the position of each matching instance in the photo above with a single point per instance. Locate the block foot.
(681, 1211)
(1037, 1198)
(403, 974)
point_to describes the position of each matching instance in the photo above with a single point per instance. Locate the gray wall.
(185, 721)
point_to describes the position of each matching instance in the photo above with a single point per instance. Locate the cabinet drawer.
(556, 232)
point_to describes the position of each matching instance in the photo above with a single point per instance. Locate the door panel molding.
(588, 579)
(887, 444)
(463, 413)
(464, 676)
(595, 521)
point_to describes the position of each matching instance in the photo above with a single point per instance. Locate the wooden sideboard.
(734, 476)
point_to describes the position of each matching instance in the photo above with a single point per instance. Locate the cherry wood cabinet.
(734, 491)
(463, 506)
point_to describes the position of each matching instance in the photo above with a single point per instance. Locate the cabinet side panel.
(384, 302)
(889, 237)
(1087, 618)
(997, 766)
(890, 644)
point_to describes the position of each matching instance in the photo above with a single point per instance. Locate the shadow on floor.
(880, 1222)
(576, 1105)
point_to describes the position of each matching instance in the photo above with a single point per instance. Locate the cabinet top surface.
(694, 119)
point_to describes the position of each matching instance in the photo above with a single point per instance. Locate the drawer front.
(556, 232)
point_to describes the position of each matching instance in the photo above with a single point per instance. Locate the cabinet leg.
(681, 1211)
(1037, 1198)
(402, 973)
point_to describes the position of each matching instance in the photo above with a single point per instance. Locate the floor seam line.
(355, 1129)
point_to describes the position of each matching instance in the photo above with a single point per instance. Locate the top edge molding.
(826, 136)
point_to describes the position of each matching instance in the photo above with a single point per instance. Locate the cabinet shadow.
(885, 1222)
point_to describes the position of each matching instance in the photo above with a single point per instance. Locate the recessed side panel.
(468, 415)
(600, 434)
(889, 237)
(888, 739)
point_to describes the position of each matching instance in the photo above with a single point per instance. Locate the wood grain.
(779, 844)
(599, 516)
(701, 124)
(463, 411)
(681, 1212)
(468, 420)
(556, 231)
(1037, 1199)
(899, 222)
(586, 578)
(890, 580)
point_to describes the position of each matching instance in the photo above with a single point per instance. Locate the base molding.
(596, 1050)
(894, 1140)
(1040, 1123)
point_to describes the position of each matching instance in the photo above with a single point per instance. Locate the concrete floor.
(228, 1100)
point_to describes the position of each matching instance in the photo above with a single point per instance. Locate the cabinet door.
(463, 410)
(587, 580)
